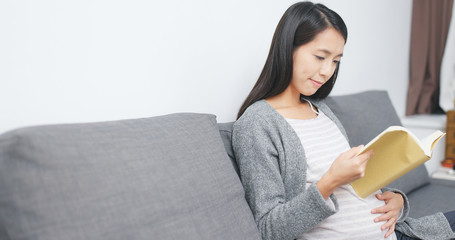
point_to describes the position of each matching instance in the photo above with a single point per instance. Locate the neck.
(287, 98)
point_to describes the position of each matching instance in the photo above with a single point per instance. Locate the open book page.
(427, 144)
(396, 152)
(387, 131)
(430, 141)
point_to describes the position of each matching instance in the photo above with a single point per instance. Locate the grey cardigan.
(272, 167)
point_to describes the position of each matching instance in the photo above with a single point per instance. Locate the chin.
(308, 93)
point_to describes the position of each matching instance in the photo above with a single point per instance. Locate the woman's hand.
(392, 208)
(345, 169)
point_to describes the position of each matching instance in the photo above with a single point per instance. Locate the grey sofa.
(166, 177)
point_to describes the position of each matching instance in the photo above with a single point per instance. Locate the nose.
(327, 69)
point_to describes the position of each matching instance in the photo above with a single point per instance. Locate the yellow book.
(396, 152)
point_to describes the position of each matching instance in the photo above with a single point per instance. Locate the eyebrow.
(328, 52)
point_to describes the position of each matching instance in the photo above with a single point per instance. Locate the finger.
(359, 147)
(382, 209)
(388, 224)
(366, 156)
(384, 217)
(353, 151)
(385, 195)
(391, 230)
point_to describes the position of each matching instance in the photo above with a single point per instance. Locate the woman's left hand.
(392, 208)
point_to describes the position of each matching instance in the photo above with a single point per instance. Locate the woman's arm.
(345, 169)
(261, 158)
(258, 157)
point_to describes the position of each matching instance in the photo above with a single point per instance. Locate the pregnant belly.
(353, 220)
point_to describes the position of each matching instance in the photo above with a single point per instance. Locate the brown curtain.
(430, 25)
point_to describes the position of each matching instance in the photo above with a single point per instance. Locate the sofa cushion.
(364, 115)
(437, 196)
(164, 177)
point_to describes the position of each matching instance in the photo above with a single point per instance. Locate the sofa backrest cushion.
(165, 177)
(364, 115)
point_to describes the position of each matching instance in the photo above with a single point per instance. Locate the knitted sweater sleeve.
(261, 162)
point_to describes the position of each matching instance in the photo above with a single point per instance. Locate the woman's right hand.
(345, 169)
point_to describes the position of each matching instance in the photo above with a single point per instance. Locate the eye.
(336, 61)
(319, 57)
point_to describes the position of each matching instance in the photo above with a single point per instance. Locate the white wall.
(377, 52)
(96, 60)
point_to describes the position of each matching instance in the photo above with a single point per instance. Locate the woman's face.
(315, 62)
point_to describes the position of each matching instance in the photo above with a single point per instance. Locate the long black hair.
(299, 25)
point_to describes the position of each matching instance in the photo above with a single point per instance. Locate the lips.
(316, 83)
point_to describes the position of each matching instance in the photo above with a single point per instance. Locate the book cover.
(396, 152)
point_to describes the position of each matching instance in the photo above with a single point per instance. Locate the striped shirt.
(323, 142)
